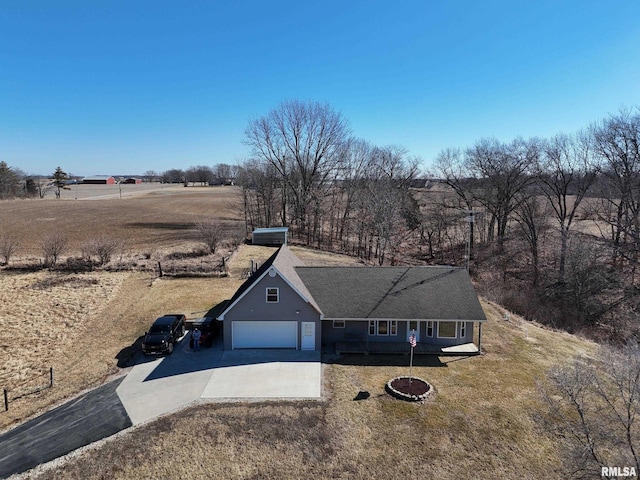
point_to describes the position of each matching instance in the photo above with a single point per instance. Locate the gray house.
(287, 305)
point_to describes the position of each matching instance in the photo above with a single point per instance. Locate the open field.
(482, 422)
(160, 219)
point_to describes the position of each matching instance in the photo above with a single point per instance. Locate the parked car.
(209, 327)
(164, 334)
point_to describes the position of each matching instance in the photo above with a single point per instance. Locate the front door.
(308, 336)
(413, 326)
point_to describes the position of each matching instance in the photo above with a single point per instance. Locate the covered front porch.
(364, 347)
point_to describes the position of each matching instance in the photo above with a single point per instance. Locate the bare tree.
(261, 194)
(224, 173)
(211, 234)
(388, 201)
(594, 407)
(566, 172)
(302, 141)
(505, 171)
(452, 170)
(201, 174)
(616, 142)
(8, 247)
(173, 176)
(151, 175)
(52, 247)
(532, 215)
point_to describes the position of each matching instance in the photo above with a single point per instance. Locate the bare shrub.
(211, 234)
(52, 247)
(595, 410)
(103, 248)
(8, 247)
(236, 236)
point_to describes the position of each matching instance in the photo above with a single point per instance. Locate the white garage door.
(265, 334)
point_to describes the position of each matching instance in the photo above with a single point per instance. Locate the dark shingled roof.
(436, 293)
(286, 262)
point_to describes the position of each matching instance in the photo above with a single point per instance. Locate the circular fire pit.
(410, 389)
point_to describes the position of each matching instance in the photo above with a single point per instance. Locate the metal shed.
(270, 236)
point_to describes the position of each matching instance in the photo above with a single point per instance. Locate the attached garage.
(264, 334)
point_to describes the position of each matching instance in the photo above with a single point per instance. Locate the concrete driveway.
(160, 385)
(154, 387)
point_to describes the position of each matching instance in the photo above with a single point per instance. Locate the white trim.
(430, 325)
(266, 294)
(455, 326)
(303, 326)
(390, 326)
(306, 300)
(463, 329)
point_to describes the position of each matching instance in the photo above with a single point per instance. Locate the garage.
(265, 334)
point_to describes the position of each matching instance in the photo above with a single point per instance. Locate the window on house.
(429, 328)
(338, 324)
(273, 295)
(463, 329)
(447, 329)
(413, 327)
(383, 327)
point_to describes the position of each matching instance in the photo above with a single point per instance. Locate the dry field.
(85, 325)
(149, 221)
(482, 422)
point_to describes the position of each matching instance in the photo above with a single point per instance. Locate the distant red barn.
(99, 180)
(135, 181)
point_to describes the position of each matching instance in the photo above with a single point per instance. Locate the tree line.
(15, 183)
(333, 190)
(550, 227)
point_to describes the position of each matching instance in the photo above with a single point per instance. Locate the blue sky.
(122, 87)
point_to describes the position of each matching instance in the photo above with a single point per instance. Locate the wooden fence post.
(159, 270)
(6, 400)
(50, 377)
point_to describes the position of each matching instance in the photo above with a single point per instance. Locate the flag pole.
(411, 366)
(412, 342)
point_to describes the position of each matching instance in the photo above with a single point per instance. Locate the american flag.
(412, 340)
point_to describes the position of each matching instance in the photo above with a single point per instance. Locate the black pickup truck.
(164, 334)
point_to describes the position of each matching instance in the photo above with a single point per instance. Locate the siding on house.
(254, 307)
(358, 331)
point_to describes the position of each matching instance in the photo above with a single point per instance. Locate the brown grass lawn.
(482, 422)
